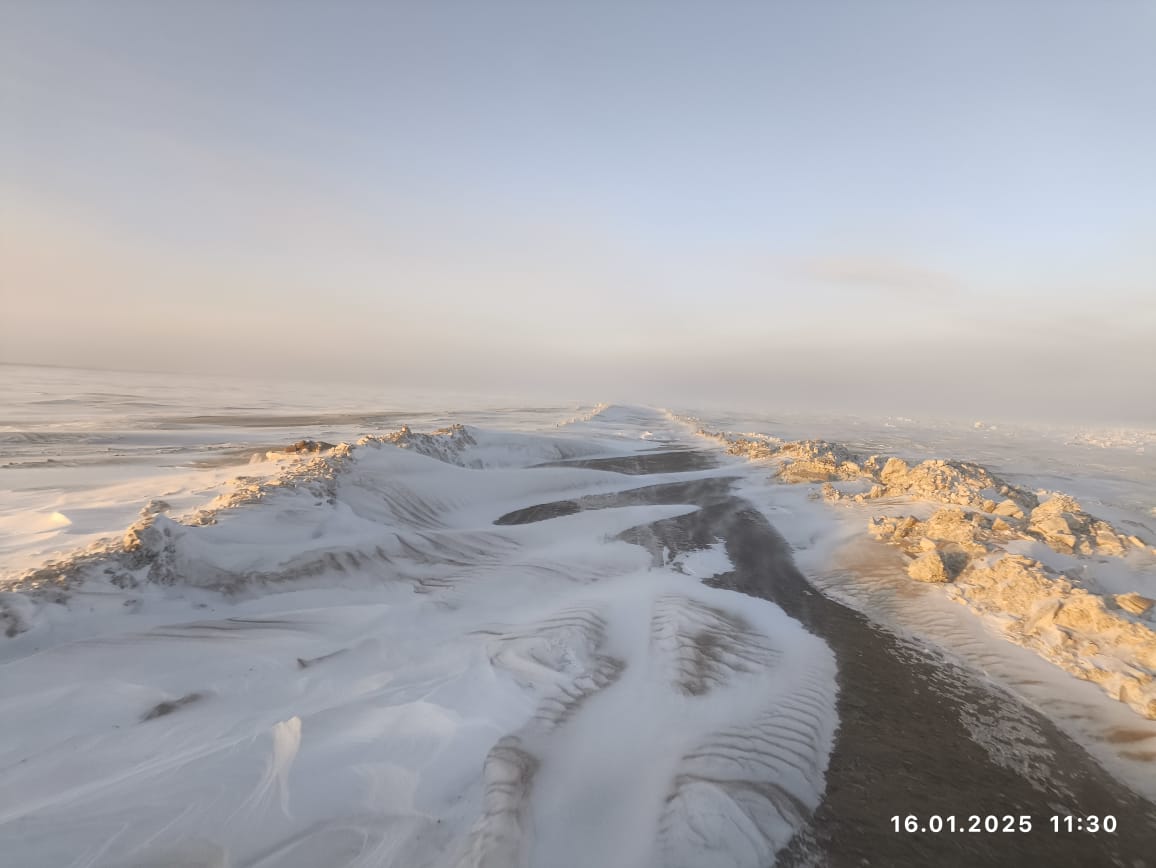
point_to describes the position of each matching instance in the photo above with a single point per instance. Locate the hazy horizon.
(366, 394)
(890, 208)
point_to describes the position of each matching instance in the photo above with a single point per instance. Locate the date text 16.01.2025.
(937, 823)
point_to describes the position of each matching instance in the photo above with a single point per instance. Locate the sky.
(890, 207)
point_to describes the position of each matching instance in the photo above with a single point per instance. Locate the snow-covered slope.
(352, 665)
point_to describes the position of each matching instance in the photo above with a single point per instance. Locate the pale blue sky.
(860, 205)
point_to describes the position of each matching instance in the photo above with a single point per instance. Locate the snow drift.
(352, 665)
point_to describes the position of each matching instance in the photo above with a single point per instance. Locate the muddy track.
(917, 733)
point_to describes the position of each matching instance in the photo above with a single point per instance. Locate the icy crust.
(974, 543)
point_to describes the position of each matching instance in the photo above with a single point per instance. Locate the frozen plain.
(407, 656)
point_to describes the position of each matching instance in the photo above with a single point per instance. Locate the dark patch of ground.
(643, 463)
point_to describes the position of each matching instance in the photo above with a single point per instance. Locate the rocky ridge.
(1106, 639)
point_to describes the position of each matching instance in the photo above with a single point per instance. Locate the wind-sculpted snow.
(354, 665)
(740, 795)
(706, 646)
(152, 547)
(158, 550)
(566, 649)
(741, 791)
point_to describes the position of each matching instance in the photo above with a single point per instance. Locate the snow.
(705, 563)
(340, 659)
(349, 663)
(96, 446)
